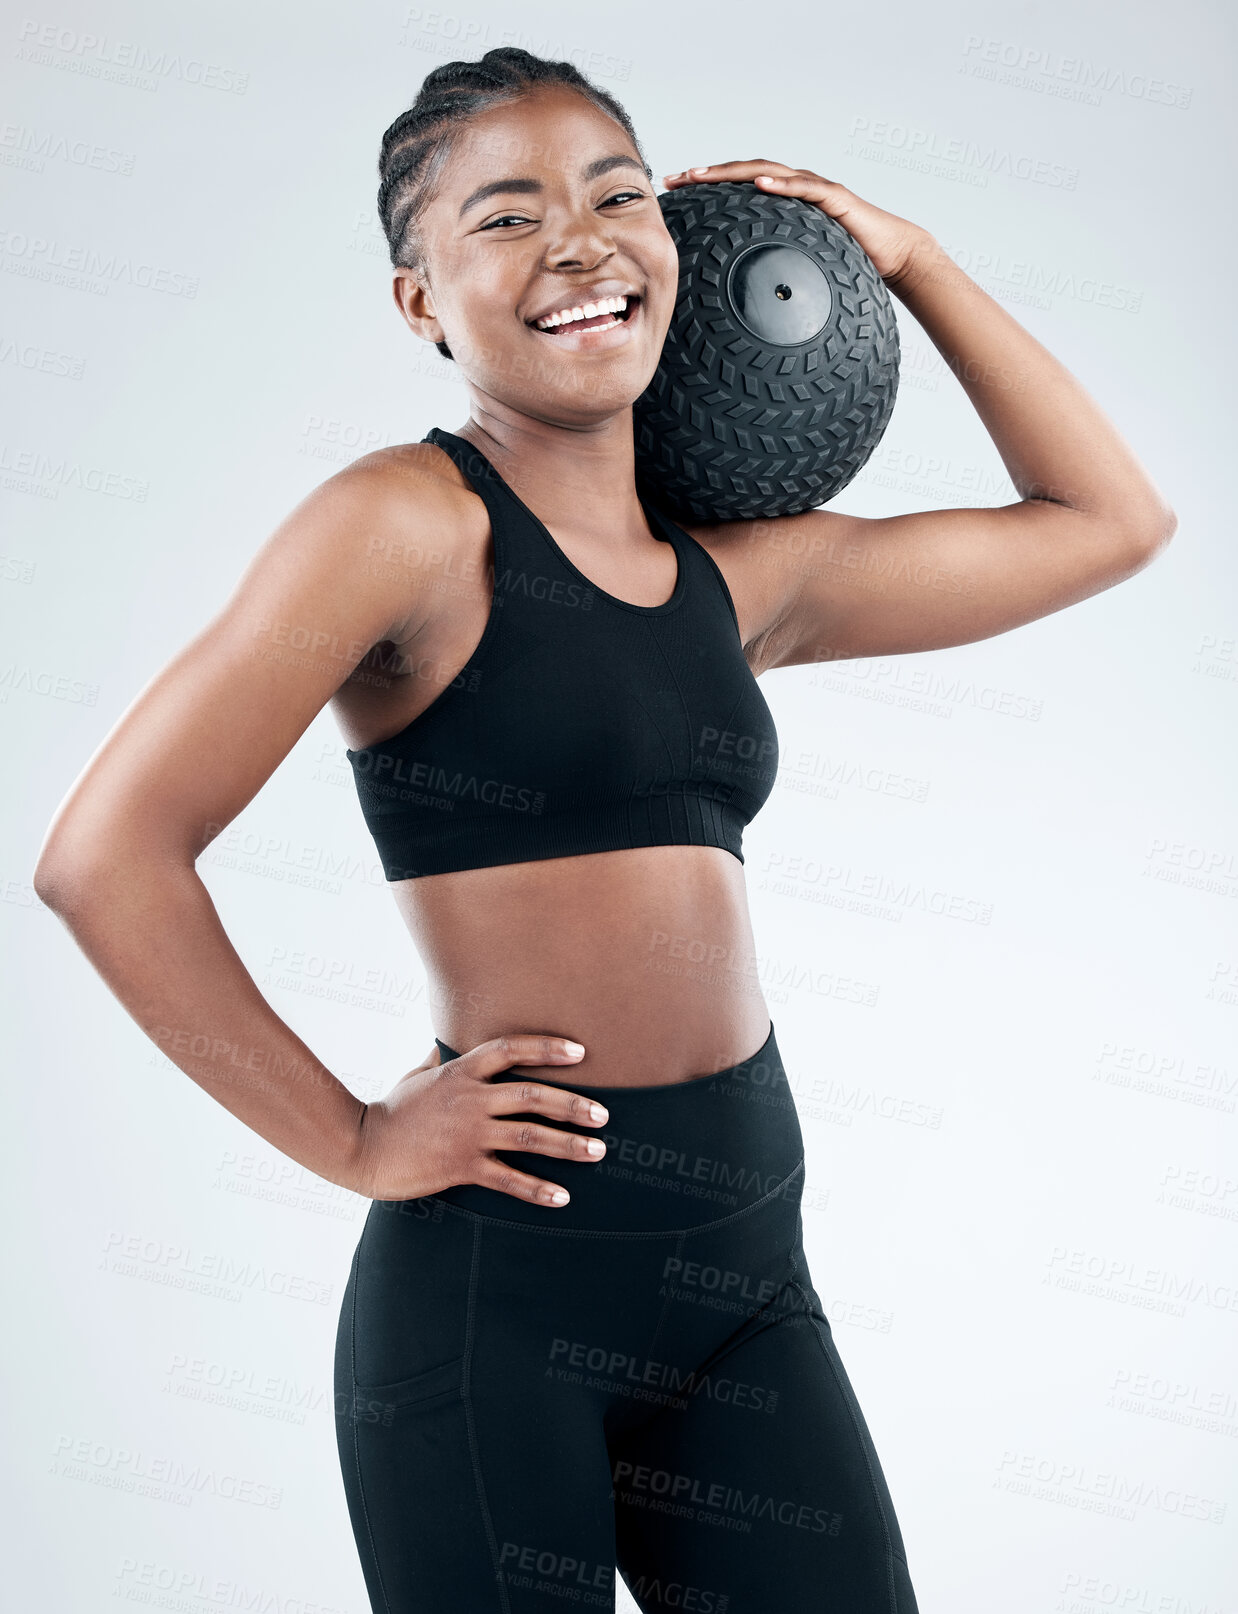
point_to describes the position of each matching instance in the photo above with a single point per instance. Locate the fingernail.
(595, 1147)
(704, 170)
(559, 1197)
(573, 1047)
(597, 1113)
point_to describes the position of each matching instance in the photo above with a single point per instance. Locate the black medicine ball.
(780, 367)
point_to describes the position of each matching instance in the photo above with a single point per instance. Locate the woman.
(560, 1352)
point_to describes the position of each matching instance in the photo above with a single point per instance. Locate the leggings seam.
(623, 1232)
(872, 1478)
(356, 1437)
(474, 1459)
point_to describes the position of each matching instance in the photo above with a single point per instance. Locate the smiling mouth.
(596, 322)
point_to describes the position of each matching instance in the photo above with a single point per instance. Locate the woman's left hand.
(892, 243)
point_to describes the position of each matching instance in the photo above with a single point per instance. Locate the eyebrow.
(525, 186)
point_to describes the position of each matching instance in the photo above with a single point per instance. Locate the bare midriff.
(644, 955)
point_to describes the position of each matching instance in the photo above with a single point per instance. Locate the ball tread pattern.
(731, 429)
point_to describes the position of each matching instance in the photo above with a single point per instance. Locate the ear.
(416, 304)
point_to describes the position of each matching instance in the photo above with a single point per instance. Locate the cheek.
(472, 287)
(481, 324)
(488, 301)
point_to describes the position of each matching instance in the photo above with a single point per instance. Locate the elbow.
(58, 885)
(79, 869)
(70, 867)
(1162, 528)
(47, 878)
(1148, 535)
(1160, 520)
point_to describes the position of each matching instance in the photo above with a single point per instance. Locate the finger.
(756, 165)
(746, 169)
(808, 187)
(748, 165)
(530, 1137)
(517, 1098)
(516, 1048)
(507, 1180)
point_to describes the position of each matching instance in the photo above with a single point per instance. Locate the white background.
(1021, 1132)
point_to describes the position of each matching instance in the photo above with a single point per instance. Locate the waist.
(679, 1154)
(635, 954)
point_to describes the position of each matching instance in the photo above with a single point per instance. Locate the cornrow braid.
(417, 145)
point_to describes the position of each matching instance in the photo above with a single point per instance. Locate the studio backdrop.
(994, 891)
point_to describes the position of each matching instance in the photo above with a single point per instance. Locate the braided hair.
(417, 145)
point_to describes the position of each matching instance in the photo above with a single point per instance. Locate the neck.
(579, 480)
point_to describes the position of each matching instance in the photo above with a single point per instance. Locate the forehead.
(552, 132)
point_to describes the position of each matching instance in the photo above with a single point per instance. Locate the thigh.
(762, 1489)
(465, 1490)
(400, 1415)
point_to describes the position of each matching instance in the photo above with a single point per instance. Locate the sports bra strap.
(489, 486)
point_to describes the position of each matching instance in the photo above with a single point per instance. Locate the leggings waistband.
(678, 1154)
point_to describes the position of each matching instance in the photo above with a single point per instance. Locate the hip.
(680, 1154)
(685, 1238)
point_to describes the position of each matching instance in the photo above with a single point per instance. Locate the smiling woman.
(560, 815)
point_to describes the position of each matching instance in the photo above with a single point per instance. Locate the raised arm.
(117, 862)
(835, 586)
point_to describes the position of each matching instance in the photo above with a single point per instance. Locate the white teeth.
(604, 305)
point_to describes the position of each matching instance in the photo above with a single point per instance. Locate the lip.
(589, 341)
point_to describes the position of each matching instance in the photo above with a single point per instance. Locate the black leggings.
(528, 1397)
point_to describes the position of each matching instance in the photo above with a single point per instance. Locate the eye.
(516, 218)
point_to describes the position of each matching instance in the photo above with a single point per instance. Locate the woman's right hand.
(440, 1124)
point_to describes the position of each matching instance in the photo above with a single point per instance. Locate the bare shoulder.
(764, 562)
(413, 520)
(415, 465)
(413, 479)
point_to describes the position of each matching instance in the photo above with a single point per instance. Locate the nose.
(581, 240)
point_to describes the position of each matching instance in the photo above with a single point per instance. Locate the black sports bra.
(580, 723)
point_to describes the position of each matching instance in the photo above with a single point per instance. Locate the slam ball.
(780, 366)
